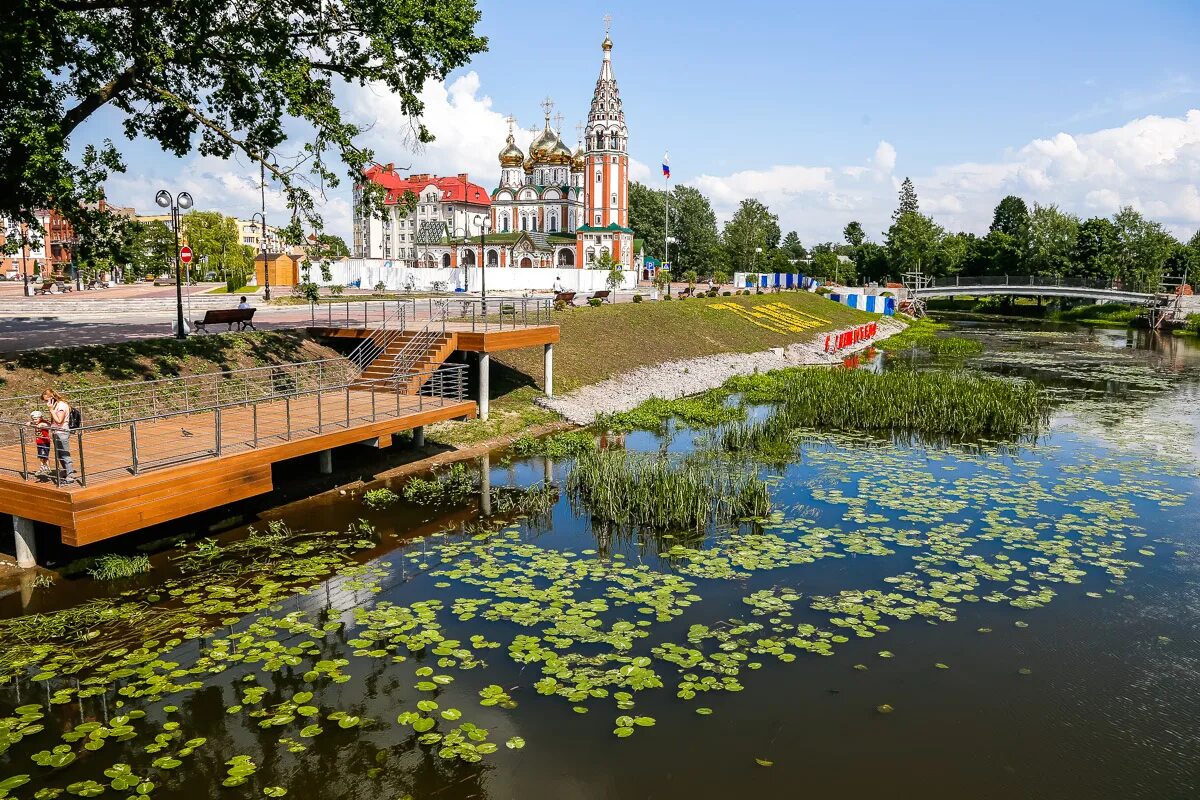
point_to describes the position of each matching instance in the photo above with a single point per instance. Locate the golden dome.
(543, 145)
(511, 155)
(578, 162)
(606, 44)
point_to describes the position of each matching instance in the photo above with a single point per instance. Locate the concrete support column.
(26, 544)
(548, 362)
(485, 483)
(419, 436)
(485, 363)
(326, 467)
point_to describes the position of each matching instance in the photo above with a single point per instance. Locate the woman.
(60, 431)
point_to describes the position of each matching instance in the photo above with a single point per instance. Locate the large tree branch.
(90, 104)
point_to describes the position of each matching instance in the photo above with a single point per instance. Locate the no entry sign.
(185, 254)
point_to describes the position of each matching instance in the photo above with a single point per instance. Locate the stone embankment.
(690, 376)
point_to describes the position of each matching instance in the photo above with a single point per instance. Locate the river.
(915, 619)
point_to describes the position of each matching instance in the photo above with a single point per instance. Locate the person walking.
(60, 432)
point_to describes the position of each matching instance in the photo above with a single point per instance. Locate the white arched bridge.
(1026, 286)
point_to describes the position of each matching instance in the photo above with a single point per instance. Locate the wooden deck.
(467, 337)
(183, 467)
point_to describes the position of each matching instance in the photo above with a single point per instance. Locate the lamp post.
(262, 244)
(485, 225)
(183, 201)
(670, 240)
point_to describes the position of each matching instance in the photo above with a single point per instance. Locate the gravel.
(694, 375)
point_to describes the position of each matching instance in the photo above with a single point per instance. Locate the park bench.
(601, 295)
(508, 310)
(47, 287)
(688, 292)
(64, 286)
(229, 316)
(566, 298)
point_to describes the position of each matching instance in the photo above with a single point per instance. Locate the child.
(42, 439)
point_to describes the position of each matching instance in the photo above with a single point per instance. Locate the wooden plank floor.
(492, 340)
(179, 471)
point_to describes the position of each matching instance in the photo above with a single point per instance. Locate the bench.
(64, 286)
(688, 292)
(566, 298)
(601, 296)
(47, 287)
(229, 316)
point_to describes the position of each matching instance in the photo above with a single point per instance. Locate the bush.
(637, 298)
(379, 499)
(380, 287)
(337, 290)
(666, 297)
(823, 290)
(595, 302)
(759, 291)
(451, 486)
(559, 305)
(725, 294)
(563, 445)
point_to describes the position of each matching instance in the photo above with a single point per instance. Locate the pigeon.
(186, 432)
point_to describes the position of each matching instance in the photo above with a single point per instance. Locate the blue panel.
(871, 303)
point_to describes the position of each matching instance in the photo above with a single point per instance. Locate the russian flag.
(666, 165)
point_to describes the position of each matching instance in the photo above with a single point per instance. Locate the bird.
(186, 432)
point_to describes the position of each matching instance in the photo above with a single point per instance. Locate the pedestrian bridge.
(1027, 286)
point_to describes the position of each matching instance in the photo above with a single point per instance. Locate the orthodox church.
(553, 207)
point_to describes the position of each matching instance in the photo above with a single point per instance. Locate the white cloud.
(1151, 163)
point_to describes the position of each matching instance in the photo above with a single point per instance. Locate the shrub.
(666, 297)
(706, 409)
(451, 486)
(725, 294)
(380, 287)
(559, 305)
(595, 302)
(337, 290)
(563, 445)
(110, 566)
(379, 499)
(759, 291)
(637, 298)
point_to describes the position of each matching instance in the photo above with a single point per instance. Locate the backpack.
(75, 418)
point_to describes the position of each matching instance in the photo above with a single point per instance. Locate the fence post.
(24, 455)
(312, 312)
(217, 416)
(287, 408)
(82, 469)
(133, 446)
(320, 416)
(347, 405)
(373, 417)
(254, 423)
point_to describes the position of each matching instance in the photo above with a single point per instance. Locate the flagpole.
(667, 216)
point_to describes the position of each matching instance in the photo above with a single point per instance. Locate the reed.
(923, 334)
(111, 566)
(703, 410)
(945, 404)
(643, 490)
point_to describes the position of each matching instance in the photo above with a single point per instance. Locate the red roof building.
(446, 207)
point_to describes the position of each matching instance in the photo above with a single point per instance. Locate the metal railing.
(494, 313)
(1022, 280)
(138, 444)
(360, 313)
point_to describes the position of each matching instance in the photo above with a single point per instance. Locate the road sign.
(185, 254)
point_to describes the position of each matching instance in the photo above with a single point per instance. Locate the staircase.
(410, 352)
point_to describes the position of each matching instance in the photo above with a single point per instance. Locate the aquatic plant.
(379, 499)
(112, 566)
(642, 490)
(447, 487)
(699, 411)
(949, 404)
(560, 445)
(925, 334)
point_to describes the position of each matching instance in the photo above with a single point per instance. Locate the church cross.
(558, 120)
(511, 120)
(579, 126)
(607, 23)
(547, 107)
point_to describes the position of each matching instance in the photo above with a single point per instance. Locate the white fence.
(369, 272)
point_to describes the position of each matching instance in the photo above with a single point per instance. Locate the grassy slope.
(32, 371)
(598, 343)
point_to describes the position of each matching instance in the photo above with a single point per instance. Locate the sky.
(817, 109)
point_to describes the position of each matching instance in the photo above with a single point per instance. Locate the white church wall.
(369, 272)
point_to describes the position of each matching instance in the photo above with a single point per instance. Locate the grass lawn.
(598, 343)
(225, 290)
(32, 371)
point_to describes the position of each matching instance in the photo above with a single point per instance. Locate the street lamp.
(183, 201)
(485, 225)
(262, 241)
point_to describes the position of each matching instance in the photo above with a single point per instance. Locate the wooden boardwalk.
(163, 469)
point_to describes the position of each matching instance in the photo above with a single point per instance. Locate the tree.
(693, 225)
(1094, 254)
(214, 237)
(911, 242)
(908, 200)
(872, 262)
(952, 254)
(328, 245)
(792, 247)
(1052, 236)
(1142, 250)
(212, 76)
(752, 226)
(825, 265)
(854, 234)
(1011, 216)
(152, 251)
(1194, 245)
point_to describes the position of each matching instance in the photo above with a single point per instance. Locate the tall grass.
(111, 567)
(945, 404)
(923, 334)
(703, 410)
(643, 490)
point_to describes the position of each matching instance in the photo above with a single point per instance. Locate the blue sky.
(820, 108)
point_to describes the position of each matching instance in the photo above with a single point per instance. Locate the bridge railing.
(133, 445)
(1021, 280)
(497, 312)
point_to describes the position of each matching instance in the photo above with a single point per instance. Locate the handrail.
(281, 417)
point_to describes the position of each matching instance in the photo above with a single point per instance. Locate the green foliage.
(854, 234)
(112, 566)
(152, 251)
(1052, 234)
(949, 404)
(751, 227)
(693, 224)
(447, 487)
(210, 80)
(698, 411)
(595, 302)
(637, 490)
(379, 499)
(216, 242)
(1143, 247)
(1011, 217)
(912, 242)
(637, 298)
(908, 200)
(923, 334)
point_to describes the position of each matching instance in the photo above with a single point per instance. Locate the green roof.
(612, 227)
